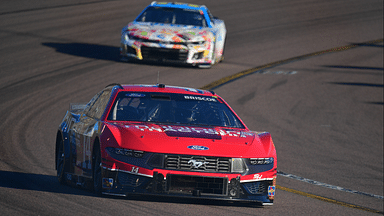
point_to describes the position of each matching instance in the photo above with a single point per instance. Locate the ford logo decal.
(195, 147)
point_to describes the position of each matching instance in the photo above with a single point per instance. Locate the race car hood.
(208, 141)
(166, 33)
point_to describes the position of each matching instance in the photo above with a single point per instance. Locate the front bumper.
(121, 183)
(182, 54)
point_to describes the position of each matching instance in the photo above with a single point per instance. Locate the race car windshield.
(172, 109)
(173, 16)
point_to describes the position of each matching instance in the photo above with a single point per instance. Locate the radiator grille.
(198, 163)
(191, 184)
(152, 53)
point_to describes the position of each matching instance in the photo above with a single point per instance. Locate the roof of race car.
(178, 5)
(185, 6)
(161, 88)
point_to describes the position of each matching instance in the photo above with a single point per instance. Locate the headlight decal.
(128, 152)
(258, 165)
(133, 157)
(260, 161)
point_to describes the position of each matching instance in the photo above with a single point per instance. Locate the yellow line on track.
(327, 199)
(232, 77)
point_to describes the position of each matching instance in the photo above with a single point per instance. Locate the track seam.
(233, 77)
(313, 182)
(328, 200)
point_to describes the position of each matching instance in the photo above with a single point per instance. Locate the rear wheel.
(60, 160)
(123, 53)
(96, 169)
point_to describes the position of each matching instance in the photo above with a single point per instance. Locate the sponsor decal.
(200, 98)
(135, 95)
(257, 176)
(107, 182)
(196, 132)
(207, 133)
(196, 147)
(145, 127)
(271, 192)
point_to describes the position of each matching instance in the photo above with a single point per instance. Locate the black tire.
(125, 59)
(60, 160)
(96, 170)
(214, 54)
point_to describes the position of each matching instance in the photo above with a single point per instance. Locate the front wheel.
(213, 58)
(96, 170)
(213, 54)
(60, 160)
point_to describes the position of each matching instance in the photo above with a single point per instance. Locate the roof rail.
(114, 84)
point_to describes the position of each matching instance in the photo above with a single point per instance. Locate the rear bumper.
(120, 183)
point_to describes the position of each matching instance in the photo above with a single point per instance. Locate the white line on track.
(291, 176)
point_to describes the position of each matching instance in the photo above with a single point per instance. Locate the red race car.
(164, 140)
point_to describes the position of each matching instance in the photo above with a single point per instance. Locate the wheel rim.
(97, 174)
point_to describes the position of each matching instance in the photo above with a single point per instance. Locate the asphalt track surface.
(309, 72)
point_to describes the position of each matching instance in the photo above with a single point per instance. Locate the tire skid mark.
(51, 7)
(36, 82)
